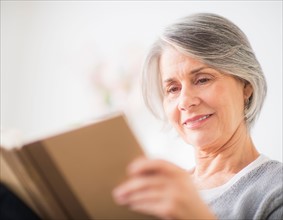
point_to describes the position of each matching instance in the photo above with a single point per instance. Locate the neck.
(216, 165)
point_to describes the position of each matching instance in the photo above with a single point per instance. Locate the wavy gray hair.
(215, 41)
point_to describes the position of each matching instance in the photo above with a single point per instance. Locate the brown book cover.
(71, 175)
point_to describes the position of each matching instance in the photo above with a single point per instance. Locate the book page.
(11, 177)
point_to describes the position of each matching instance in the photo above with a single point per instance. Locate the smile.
(196, 121)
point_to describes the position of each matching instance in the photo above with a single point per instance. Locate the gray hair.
(215, 41)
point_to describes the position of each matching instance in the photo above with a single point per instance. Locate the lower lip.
(197, 124)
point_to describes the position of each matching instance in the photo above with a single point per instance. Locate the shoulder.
(266, 180)
(256, 195)
(261, 190)
(268, 176)
(271, 170)
(271, 165)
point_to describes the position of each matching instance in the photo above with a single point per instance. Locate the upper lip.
(195, 118)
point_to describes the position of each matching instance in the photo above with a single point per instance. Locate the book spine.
(39, 189)
(13, 176)
(55, 181)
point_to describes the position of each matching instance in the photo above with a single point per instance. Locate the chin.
(199, 141)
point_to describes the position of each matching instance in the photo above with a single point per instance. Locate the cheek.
(214, 97)
(227, 102)
(171, 111)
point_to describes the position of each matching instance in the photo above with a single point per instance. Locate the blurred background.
(65, 63)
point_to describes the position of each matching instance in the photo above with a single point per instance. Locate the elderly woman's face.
(204, 105)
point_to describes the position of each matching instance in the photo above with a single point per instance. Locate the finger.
(149, 166)
(137, 184)
(142, 196)
(159, 209)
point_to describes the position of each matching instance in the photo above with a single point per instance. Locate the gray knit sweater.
(258, 194)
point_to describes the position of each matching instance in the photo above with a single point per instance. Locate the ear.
(248, 91)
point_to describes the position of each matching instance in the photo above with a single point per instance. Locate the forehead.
(172, 62)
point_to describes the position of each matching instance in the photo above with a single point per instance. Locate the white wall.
(59, 60)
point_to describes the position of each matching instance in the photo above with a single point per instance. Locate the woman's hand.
(161, 189)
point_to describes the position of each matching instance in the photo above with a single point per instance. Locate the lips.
(197, 120)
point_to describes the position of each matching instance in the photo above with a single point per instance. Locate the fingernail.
(119, 197)
(116, 192)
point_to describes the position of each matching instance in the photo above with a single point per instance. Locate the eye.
(202, 80)
(173, 89)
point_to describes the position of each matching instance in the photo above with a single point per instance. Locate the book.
(71, 175)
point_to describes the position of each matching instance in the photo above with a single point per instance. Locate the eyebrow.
(191, 73)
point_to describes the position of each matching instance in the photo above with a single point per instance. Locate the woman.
(202, 75)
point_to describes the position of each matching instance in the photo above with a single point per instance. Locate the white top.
(212, 193)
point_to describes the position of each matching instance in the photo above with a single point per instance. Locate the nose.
(187, 99)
